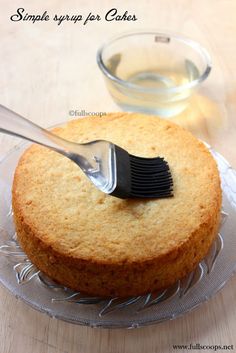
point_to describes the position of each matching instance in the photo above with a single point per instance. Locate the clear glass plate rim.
(108, 324)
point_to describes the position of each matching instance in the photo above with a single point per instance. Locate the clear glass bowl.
(153, 72)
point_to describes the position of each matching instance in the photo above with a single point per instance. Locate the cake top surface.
(62, 207)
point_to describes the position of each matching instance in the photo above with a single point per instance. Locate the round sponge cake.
(102, 245)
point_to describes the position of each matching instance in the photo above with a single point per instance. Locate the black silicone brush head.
(139, 177)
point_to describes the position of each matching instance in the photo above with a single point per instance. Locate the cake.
(106, 246)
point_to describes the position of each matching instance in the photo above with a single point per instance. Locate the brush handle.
(95, 158)
(14, 124)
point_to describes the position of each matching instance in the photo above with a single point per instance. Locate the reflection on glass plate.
(25, 281)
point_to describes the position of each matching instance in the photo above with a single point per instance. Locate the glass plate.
(27, 283)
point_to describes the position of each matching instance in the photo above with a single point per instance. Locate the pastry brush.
(109, 167)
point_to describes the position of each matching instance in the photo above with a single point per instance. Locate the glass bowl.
(153, 72)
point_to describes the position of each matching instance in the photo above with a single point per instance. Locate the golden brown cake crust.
(105, 246)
